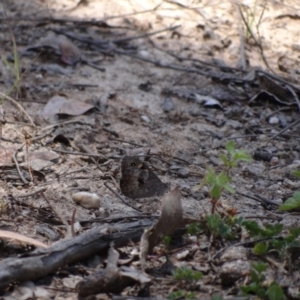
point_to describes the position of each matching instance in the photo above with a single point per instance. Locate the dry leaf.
(61, 105)
(70, 54)
(171, 219)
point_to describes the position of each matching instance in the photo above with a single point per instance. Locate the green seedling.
(181, 294)
(270, 232)
(218, 227)
(187, 274)
(234, 156)
(195, 228)
(218, 182)
(291, 203)
(258, 286)
(167, 240)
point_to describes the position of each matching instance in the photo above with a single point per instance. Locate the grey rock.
(234, 253)
(168, 104)
(234, 270)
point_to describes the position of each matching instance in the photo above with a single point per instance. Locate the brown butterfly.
(138, 180)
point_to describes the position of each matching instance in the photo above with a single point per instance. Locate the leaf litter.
(154, 89)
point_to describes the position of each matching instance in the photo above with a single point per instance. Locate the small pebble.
(183, 172)
(87, 200)
(145, 119)
(273, 120)
(183, 254)
(168, 104)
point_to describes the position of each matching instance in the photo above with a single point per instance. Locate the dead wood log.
(42, 262)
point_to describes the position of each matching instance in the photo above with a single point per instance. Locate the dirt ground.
(183, 93)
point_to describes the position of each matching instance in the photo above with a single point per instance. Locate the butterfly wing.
(138, 180)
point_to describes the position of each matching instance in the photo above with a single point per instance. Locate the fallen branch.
(42, 262)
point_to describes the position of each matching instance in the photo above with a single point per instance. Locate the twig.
(243, 244)
(16, 152)
(265, 201)
(78, 153)
(17, 164)
(242, 39)
(294, 95)
(264, 218)
(123, 40)
(121, 198)
(58, 214)
(21, 108)
(80, 121)
(275, 264)
(111, 132)
(216, 75)
(283, 130)
(134, 13)
(88, 151)
(31, 194)
(124, 141)
(72, 222)
(274, 77)
(254, 38)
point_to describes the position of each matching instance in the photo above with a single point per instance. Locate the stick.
(121, 198)
(21, 108)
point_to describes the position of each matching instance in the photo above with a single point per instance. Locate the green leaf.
(194, 228)
(176, 295)
(296, 173)
(272, 230)
(261, 292)
(216, 192)
(254, 276)
(277, 244)
(225, 160)
(242, 155)
(259, 267)
(260, 248)
(291, 203)
(229, 188)
(230, 147)
(201, 185)
(275, 292)
(190, 295)
(223, 179)
(167, 240)
(295, 232)
(252, 227)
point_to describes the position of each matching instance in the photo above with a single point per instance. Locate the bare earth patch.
(99, 85)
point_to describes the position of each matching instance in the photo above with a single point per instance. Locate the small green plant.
(195, 228)
(187, 274)
(234, 156)
(14, 68)
(216, 297)
(217, 227)
(226, 227)
(274, 240)
(167, 240)
(291, 203)
(218, 182)
(258, 286)
(181, 294)
(268, 232)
